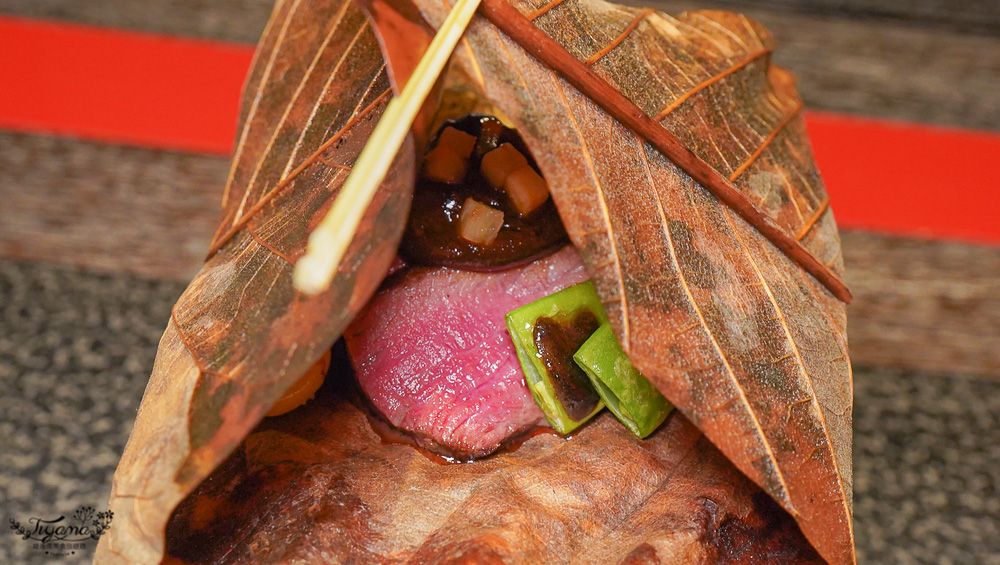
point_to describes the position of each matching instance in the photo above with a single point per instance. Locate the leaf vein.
(808, 225)
(621, 37)
(260, 241)
(800, 363)
(708, 330)
(709, 82)
(606, 216)
(245, 131)
(778, 128)
(288, 107)
(285, 182)
(319, 101)
(544, 9)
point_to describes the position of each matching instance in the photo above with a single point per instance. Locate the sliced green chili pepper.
(546, 334)
(629, 396)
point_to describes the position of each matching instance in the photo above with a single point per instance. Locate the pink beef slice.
(432, 352)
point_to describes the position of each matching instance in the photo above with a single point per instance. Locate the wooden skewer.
(551, 53)
(329, 240)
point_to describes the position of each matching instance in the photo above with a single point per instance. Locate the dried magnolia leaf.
(240, 334)
(312, 489)
(750, 348)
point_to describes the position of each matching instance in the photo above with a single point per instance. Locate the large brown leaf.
(750, 348)
(240, 334)
(312, 489)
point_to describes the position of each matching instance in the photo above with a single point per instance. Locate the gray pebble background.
(76, 349)
(75, 352)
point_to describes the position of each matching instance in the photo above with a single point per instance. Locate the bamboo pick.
(329, 240)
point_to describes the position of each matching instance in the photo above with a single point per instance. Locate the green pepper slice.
(546, 333)
(628, 394)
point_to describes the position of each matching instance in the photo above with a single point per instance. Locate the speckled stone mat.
(76, 349)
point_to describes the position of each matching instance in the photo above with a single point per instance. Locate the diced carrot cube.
(526, 189)
(459, 142)
(498, 164)
(442, 165)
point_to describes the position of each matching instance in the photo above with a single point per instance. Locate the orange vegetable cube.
(304, 388)
(456, 141)
(526, 189)
(498, 164)
(443, 165)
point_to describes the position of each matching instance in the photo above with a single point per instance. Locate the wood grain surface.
(924, 61)
(918, 304)
(227, 20)
(107, 207)
(923, 304)
(973, 16)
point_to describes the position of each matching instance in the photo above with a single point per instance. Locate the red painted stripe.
(166, 92)
(119, 86)
(909, 179)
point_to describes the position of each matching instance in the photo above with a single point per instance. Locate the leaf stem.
(329, 240)
(551, 53)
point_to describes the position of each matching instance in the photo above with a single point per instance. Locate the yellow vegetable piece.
(479, 223)
(304, 388)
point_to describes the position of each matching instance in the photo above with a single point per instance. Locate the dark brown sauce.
(431, 237)
(556, 342)
(390, 434)
(441, 455)
(514, 442)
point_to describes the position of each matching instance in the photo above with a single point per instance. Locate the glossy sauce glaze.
(431, 237)
(556, 341)
(441, 455)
